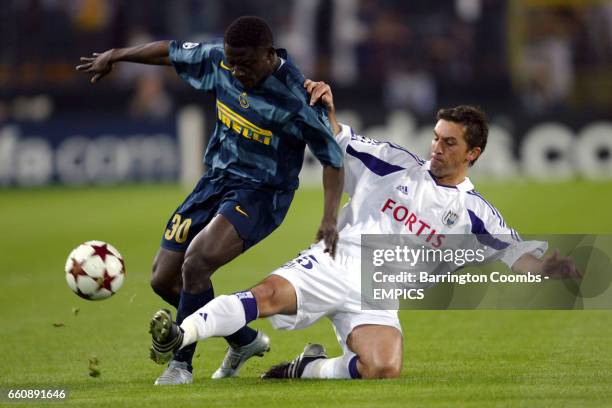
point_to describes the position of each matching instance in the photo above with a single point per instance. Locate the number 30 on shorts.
(179, 229)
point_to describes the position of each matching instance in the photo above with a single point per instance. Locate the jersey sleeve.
(344, 137)
(315, 129)
(499, 241)
(390, 156)
(368, 160)
(195, 62)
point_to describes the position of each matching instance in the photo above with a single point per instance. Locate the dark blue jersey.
(261, 133)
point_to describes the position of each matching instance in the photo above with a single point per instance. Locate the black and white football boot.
(295, 368)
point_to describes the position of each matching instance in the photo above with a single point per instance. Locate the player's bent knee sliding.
(275, 295)
(380, 370)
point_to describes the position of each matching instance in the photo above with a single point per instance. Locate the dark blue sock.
(353, 371)
(242, 337)
(245, 335)
(188, 304)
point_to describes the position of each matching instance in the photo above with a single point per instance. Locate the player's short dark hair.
(475, 121)
(248, 31)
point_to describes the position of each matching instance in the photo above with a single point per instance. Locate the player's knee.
(264, 294)
(196, 271)
(390, 371)
(271, 298)
(165, 288)
(158, 283)
(381, 369)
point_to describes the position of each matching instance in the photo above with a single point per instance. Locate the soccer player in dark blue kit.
(253, 156)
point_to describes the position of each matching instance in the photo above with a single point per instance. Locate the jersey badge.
(244, 103)
(450, 218)
(190, 45)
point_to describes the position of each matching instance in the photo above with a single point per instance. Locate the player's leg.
(375, 351)
(222, 316)
(189, 219)
(378, 350)
(274, 295)
(228, 313)
(254, 214)
(166, 279)
(217, 244)
(372, 344)
(308, 278)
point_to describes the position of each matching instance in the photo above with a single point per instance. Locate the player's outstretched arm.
(553, 265)
(101, 64)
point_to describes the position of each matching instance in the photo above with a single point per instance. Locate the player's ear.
(270, 54)
(473, 153)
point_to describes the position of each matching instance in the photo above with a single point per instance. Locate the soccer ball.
(95, 270)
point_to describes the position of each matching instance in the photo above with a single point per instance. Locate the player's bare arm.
(101, 64)
(333, 182)
(553, 265)
(333, 178)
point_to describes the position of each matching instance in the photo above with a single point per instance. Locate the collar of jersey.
(282, 54)
(465, 185)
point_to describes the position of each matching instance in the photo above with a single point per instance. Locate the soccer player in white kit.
(392, 191)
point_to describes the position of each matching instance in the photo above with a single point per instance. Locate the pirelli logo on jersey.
(242, 126)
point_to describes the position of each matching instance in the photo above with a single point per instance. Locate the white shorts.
(328, 288)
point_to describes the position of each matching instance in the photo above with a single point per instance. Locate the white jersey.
(392, 191)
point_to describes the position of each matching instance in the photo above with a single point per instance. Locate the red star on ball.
(105, 282)
(77, 269)
(101, 251)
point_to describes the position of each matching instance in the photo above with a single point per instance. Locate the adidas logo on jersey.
(403, 189)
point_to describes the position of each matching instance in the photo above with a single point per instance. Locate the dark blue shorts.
(254, 211)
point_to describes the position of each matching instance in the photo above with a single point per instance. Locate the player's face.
(450, 153)
(250, 65)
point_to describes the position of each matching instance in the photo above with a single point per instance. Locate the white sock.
(221, 316)
(329, 367)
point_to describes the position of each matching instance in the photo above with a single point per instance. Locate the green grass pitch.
(452, 358)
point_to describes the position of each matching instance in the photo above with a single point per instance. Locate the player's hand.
(560, 267)
(329, 234)
(100, 65)
(320, 91)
